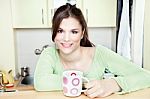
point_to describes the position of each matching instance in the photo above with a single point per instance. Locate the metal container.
(24, 71)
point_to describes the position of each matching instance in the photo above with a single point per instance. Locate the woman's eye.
(74, 32)
(60, 31)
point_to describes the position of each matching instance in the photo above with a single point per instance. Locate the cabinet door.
(29, 13)
(54, 4)
(79, 4)
(100, 13)
(50, 12)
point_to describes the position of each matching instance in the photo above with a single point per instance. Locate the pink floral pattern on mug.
(65, 90)
(65, 80)
(74, 91)
(72, 82)
(75, 82)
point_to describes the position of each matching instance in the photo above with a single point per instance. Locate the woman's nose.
(66, 37)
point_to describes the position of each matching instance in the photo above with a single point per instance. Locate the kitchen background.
(19, 41)
(28, 40)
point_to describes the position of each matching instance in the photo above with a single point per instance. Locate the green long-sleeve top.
(130, 77)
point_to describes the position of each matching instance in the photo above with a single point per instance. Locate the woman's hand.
(101, 88)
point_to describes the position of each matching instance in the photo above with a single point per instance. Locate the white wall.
(147, 35)
(7, 57)
(27, 40)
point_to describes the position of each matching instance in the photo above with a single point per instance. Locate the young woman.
(73, 50)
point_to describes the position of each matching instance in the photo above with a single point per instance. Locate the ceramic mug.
(73, 83)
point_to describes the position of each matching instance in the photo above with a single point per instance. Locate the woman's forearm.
(48, 82)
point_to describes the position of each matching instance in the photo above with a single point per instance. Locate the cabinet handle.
(42, 16)
(87, 15)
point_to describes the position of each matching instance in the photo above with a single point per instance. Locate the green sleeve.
(130, 76)
(44, 77)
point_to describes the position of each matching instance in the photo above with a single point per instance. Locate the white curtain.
(124, 36)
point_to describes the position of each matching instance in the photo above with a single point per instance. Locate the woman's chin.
(66, 51)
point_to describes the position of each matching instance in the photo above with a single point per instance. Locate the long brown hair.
(66, 11)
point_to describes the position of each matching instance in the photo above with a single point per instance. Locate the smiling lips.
(66, 45)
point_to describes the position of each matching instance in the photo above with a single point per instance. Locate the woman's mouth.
(66, 45)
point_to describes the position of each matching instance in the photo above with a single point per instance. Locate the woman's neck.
(72, 58)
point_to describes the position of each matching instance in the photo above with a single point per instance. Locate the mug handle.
(86, 79)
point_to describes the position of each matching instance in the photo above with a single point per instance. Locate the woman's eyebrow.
(75, 29)
(59, 28)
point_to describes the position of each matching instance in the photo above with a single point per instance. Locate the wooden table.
(32, 94)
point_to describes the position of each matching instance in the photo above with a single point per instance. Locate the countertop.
(28, 92)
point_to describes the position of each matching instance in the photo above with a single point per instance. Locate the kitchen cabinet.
(50, 12)
(54, 4)
(34, 13)
(29, 13)
(100, 13)
(39, 13)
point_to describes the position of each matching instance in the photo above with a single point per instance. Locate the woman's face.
(68, 35)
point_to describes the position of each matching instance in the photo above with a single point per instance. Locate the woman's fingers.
(90, 84)
(91, 90)
(99, 93)
(98, 88)
(94, 89)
